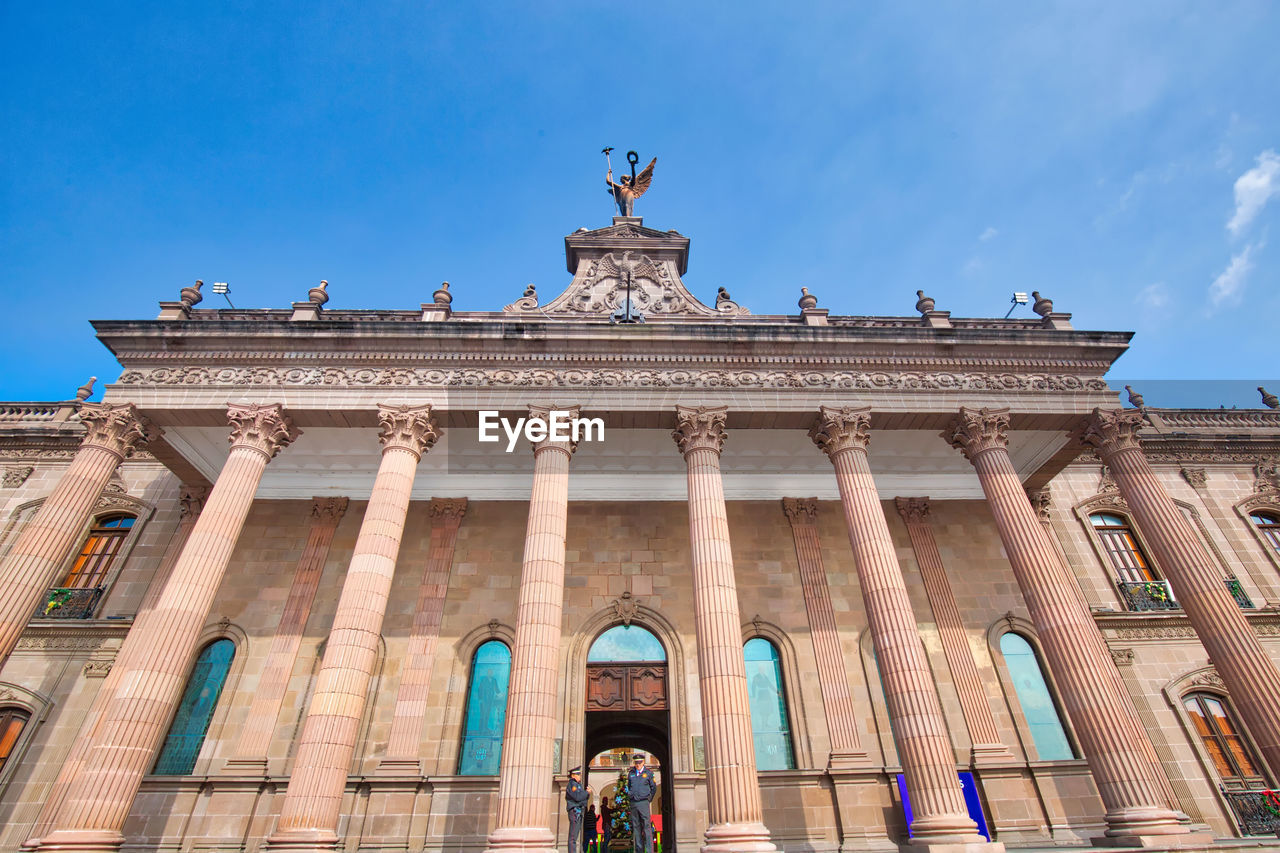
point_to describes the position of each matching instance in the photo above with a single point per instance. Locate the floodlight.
(221, 287)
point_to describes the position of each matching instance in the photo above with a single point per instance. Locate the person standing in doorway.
(576, 797)
(589, 831)
(641, 788)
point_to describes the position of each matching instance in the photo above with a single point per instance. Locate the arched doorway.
(627, 709)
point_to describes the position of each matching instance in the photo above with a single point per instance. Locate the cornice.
(84, 635)
(1166, 625)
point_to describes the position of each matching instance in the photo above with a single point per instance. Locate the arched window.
(1123, 549)
(1269, 526)
(195, 711)
(12, 721)
(486, 710)
(1221, 738)
(1038, 707)
(626, 643)
(98, 552)
(770, 726)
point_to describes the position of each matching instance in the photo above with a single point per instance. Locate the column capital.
(975, 431)
(448, 507)
(544, 415)
(700, 428)
(116, 427)
(837, 430)
(410, 428)
(1110, 431)
(191, 500)
(800, 510)
(329, 510)
(1041, 500)
(913, 510)
(266, 429)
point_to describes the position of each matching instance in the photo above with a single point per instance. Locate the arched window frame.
(1265, 502)
(1015, 625)
(214, 740)
(36, 706)
(801, 748)
(466, 703)
(1113, 504)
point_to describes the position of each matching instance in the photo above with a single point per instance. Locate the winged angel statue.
(630, 188)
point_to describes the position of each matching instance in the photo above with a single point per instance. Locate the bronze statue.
(632, 186)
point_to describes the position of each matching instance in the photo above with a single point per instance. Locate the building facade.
(305, 581)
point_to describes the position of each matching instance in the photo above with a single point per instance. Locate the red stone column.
(112, 433)
(1246, 669)
(846, 746)
(313, 802)
(157, 653)
(528, 746)
(405, 742)
(941, 819)
(735, 816)
(978, 719)
(191, 500)
(255, 738)
(1138, 810)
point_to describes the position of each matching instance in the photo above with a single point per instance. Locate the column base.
(1185, 841)
(535, 839)
(738, 838)
(82, 841)
(1151, 828)
(302, 841)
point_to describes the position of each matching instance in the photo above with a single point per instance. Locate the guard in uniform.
(641, 788)
(576, 797)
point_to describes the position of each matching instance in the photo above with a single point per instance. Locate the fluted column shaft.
(1126, 776)
(846, 746)
(404, 743)
(735, 816)
(45, 542)
(1247, 670)
(313, 801)
(255, 737)
(157, 653)
(919, 730)
(955, 640)
(528, 742)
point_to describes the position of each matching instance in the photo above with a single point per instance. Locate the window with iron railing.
(1136, 580)
(1215, 725)
(100, 549)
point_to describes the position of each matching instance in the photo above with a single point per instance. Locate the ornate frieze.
(266, 429)
(841, 429)
(913, 510)
(700, 428)
(975, 431)
(117, 428)
(410, 428)
(800, 510)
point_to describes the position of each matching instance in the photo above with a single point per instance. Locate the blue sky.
(1121, 158)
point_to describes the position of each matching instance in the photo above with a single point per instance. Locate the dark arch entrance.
(644, 730)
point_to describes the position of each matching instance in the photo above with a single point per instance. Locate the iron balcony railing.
(1148, 595)
(1257, 812)
(1238, 593)
(69, 603)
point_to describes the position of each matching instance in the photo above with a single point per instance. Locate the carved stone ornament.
(1267, 475)
(625, 607)
(1107, 483)
(117, 428)
(410, 428)
(1041, 502)
(191, 500)
(1195, 476)
(913, 510)
(542, 414)
(1111, 431)
(329, 510)
(96, 669)
(1122, 657)
(976, 431)
(116, 484)
(449, 508)
(1210, 678)
(700, 428)
(266, 429)
(493, 626)
(837, 430)
(800, 510)
(14, 477)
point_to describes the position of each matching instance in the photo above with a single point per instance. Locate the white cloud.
(1254, 189)
(988, 234)
(1153, 295)
(1229, 284)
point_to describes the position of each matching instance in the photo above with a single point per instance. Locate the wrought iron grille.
(1148, 595)
(1238, 593)
(1257, 812)
(69, 603)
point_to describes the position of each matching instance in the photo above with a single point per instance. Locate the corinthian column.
(955, 641)
(846, 747)
(157, 651)
(1136, 799)
(313, 802)
(941, 819)
(112, 432)
(735, 817)
(528, 742)
(1245, 667)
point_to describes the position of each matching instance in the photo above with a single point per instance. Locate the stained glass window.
(98, 552)
(626, 643)
(1222, 740)
(770, 726)
(1037, 702)
(195, 711)
(486, 710)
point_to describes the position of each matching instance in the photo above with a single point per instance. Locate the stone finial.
(800, 510)
(700, 428)
(116, 427)
(191, 295)
(410, 428)
(837, 430)
(807, 299)
(318, 295)
(1042, 306)
(976, 431)
(443, 296)
(1271, 401)
(85, 391)
(1135, 399)
(266, 429)
(925, 303)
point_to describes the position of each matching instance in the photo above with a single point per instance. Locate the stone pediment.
(626, 256)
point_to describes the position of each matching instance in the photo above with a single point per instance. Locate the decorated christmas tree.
(621, 821)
